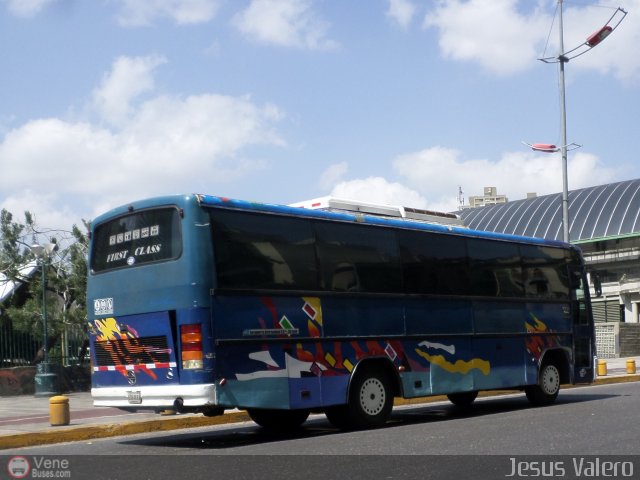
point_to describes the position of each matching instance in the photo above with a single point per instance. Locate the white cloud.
(332, 175)
(63, 217)
(505, 39)
(401, 12)
(128, 78)
(430, 178)
(27, 8)
(379, 190)
(490, 32)
(437, 173)
(618, 53)
(168, 144)
(284, 23)
(136, 13)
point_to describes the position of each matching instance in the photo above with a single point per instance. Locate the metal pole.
(45, 380)
(45, 350)
(563, 120)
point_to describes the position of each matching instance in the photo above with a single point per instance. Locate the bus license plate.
(134, 397)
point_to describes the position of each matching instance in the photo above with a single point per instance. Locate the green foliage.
(66, 273)
(12, 247)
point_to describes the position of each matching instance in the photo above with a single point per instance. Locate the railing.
(607, 256)
(19, 349)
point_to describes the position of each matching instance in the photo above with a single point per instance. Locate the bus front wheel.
(546, 390)
(278, 420)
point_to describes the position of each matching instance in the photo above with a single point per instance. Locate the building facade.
(490, 197)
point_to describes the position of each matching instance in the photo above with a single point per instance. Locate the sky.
(405, 102)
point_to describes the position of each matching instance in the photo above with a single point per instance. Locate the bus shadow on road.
(427, 413)
(250, 435)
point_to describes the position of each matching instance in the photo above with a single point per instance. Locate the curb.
(91, 432)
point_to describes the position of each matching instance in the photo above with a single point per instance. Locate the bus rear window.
(140, 238)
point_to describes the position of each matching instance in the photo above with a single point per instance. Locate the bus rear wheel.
(370, 402)
(546, 390)
(462, 399)
(278, 420)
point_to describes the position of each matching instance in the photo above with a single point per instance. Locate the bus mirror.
(576, 280)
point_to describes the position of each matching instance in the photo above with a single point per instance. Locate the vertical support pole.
(45, 349)
(563, 120)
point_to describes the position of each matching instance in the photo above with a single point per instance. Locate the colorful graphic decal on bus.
(293, 367)
(337, 358)
(538, 344)
(119, 347)
(459, 366)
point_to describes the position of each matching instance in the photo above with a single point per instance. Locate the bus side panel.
(274, 378)
(499, 331)
(548, 328)
(267, 355)
(347, 316)
(444, 361)
(257, 353)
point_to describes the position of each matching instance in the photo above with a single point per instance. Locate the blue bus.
(203, 303)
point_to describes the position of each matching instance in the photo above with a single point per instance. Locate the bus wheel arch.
(382, 364)
(372, 387)
(560, 359)
(554, 370)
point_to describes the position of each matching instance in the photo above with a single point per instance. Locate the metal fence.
(607, 340)
(19, 349)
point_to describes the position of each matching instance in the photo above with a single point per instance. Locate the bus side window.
(495, 268)
(263, 251)
(345, 279)
(545, 272)
(434, 263)
(358, 258)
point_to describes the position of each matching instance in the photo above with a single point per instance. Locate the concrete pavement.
(25, 420)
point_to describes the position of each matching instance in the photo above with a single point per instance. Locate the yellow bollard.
(631, 366)
(602, 368)
(59, 411)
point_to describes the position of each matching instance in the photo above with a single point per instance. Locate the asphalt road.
(585, 426)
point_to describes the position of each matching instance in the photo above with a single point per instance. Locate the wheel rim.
(372, 396)
(550, 382)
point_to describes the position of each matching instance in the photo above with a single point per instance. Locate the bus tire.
(370, 401)
(278, 420)
(338, 416)
(546, 390)
(463, 399)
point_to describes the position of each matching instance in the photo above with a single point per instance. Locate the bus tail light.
(191, 346)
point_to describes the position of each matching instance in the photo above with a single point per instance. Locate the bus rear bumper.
(180, 397)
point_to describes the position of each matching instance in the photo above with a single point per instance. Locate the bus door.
(583, 329)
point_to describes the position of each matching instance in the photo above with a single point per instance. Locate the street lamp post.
(45, 379)
(594, 39)
(562, 59)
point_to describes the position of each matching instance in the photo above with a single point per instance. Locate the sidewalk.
(24, 419)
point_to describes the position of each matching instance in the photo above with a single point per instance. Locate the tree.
(66, 273)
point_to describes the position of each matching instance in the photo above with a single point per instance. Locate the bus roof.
(369, 219)
(334, 204)
(345, 216)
